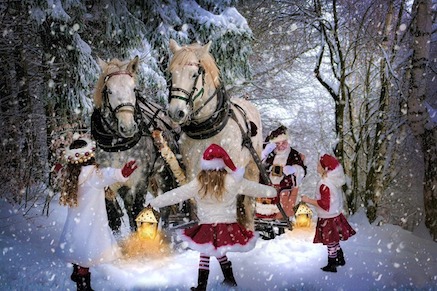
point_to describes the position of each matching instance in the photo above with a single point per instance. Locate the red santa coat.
(292, 172)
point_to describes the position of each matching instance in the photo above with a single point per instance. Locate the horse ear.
(205, 48)
(102, 64)
(133, 65)
(174, 47)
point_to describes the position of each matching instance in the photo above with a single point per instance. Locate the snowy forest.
(352, 78)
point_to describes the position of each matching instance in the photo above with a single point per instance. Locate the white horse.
(121, 124)
(199, 103)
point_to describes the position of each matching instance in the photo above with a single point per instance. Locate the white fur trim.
(80, 155)
(279, 138)
(209, 249)
(238, 174)
(266, 209)
(214, 164)
(300, 174)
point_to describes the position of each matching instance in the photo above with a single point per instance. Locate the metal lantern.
(147, 223)
(303, 215)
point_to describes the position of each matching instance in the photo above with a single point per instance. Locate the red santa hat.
(278, 135)
(328, 162)
(216, 158)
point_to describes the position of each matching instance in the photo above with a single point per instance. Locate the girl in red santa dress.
(86, 239)
(332, 225)
(215, 192)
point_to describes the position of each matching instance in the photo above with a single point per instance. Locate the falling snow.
(377, 257)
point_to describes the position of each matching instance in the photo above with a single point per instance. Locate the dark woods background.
(355, 78)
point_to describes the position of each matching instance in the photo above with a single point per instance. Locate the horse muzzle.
(127, 126)
(127, 131)
(178, 114)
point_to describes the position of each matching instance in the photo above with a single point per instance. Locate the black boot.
(84, 282)
(331, 266)
(202, 280)
(229, 275)
(74, 276)
(340, 258)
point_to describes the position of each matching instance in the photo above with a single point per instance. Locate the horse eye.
(195, 75)
(108, 91)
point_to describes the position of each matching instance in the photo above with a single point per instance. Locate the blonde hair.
(212, 183)
(70, 184)
(206, 60)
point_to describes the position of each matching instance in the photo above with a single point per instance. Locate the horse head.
(115, 95)
(195, 78)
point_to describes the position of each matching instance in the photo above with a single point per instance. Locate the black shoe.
(228, 274)
(331, 266)
(74, 276)
(83, 282)
(202, 280)
(340, 258)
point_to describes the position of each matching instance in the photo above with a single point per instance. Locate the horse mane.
(113, 65)
(206, 60)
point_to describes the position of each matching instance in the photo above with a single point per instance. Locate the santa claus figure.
(286, 170)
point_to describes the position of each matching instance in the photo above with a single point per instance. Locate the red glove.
(128, 168)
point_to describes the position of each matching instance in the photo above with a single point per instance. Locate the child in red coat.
(332, 226)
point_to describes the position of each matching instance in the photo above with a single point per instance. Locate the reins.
(215, 123)
(107, 137)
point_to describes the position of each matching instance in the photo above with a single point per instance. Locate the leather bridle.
(106, 92)
(189, 97)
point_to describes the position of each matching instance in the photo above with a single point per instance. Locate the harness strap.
(214, 124)
(105, 137)
(156, 109)
(247, 142)
(122, 72)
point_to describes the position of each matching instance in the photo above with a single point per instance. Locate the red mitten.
(128, 168)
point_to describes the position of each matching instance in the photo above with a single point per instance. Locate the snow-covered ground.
(377, 258)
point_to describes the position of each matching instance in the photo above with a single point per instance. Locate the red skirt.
(219, 238)
(332, 230)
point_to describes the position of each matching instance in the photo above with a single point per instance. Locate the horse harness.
(103, 126)
(218, 121)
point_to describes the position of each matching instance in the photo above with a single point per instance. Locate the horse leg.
(128, 199)
(137, 207)
(115, 213)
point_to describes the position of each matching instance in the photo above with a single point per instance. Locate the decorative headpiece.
(215, 158)
(83, 154)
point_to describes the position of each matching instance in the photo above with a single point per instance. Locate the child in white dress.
(87, 239)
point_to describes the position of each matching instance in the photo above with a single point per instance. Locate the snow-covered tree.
(363, 49)
(59, 41)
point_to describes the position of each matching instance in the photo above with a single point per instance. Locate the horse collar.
(215, 123)
(108, 138)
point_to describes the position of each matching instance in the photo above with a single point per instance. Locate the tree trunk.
(375, 186)
(24, 121)
(418, 116)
